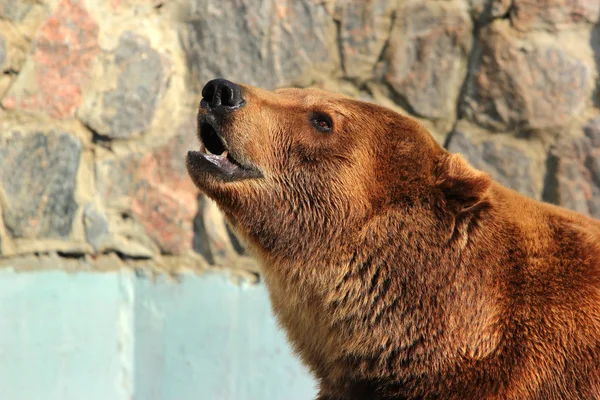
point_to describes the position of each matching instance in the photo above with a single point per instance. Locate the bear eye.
(322, 122)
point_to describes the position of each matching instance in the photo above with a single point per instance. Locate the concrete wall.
(119, 335)
(98, 101)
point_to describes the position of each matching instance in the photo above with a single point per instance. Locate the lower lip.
(219, 166)
(220, 162)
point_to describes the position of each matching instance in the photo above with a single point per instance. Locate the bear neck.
(403, 272)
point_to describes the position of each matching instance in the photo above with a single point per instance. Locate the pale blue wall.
(89, 336)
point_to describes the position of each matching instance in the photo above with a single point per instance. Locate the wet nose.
(222, 95)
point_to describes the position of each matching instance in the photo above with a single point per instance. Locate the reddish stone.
(166, 203)
(158, 189)
(64, 49)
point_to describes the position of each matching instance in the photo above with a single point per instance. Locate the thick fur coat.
(397, 270)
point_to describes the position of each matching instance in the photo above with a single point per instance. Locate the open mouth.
(215, 157)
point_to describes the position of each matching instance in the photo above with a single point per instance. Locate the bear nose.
(223, 95)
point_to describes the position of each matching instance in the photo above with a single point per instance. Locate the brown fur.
(400, 272)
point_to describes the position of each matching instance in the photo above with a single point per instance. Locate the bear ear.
(463, 186)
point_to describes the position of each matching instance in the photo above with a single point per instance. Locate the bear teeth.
(223, 155)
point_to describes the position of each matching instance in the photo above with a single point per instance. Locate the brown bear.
(397, 270)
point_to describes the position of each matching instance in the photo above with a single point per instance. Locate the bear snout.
(222, 96)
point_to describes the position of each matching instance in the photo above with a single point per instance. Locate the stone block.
(52, 78)
(574, 172)
(526, 83)
(266, 44)
(507, 163)
(570, 184)
(528, 15)
(364, 30)
(426, 58)
(125, 108)
(38, 174)
(96, 227)
(155, 189)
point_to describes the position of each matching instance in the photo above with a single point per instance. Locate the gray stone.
(130, 108)
(574, 172)
(521, 84)
(364, 30)
(427, 56)
(506, 164)
(266, 44)
(96, 227)
(121, 112)
(38, 173)
(568, 183)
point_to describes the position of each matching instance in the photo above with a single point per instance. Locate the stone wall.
(98, 103)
